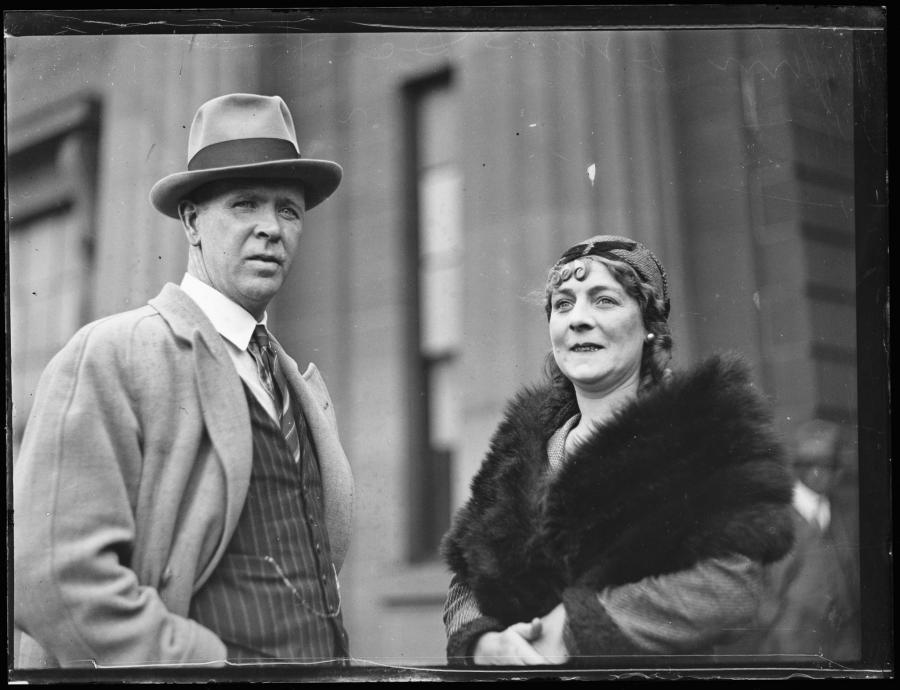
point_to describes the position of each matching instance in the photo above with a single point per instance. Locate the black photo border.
(869, 26)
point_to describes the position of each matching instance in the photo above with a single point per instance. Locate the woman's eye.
(606, 301)
(562, 305)
(243, 203)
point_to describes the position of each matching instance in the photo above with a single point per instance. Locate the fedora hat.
(245, 135)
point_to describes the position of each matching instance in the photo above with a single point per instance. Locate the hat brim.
(319, 179)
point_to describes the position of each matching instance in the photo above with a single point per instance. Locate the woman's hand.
(511, 647)
(550, 644)
(524, 644)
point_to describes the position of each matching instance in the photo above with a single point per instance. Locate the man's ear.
(188, 212)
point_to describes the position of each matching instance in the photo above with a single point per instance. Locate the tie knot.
(261, 337)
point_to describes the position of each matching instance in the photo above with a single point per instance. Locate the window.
(51, 178)
(435, 255)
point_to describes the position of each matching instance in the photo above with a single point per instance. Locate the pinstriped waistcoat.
(274, 595)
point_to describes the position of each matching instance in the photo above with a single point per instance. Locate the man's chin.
(267, 281)
(256, 296)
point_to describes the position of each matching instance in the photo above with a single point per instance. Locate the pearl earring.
(650, 337)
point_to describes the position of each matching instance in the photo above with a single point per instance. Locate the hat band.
(233, 152)
(595, 247)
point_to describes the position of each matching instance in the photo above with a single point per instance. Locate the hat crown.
(240, 116)
(245, 135)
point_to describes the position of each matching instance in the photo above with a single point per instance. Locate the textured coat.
(686, 472)
(130, 480)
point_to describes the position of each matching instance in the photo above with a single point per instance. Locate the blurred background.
(471, 161)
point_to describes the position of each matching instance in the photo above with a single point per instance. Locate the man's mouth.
(586, 347)
(268, 258)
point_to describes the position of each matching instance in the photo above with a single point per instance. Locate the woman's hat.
(244, 135)
(633, 253)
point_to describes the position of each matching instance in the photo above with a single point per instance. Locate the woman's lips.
(586, 347)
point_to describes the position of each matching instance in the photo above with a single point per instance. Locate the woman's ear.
(188, 212)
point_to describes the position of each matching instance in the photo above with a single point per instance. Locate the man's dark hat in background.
(633, 253)
(245, 135)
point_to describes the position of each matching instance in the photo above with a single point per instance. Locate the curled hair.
(657, 352)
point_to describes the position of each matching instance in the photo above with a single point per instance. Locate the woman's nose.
(580, 317)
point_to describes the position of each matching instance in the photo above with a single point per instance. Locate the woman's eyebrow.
(568, 292)
(604, 288)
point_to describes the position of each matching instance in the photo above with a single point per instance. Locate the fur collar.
(691, 470)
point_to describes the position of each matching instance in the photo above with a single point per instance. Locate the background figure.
(622, 509)
(811, 601)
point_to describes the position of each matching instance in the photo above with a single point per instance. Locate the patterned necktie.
(260, 347)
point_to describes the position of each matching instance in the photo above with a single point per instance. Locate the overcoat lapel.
(337, 479)
(222, 401)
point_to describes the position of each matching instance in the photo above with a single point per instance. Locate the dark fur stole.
(689, 471)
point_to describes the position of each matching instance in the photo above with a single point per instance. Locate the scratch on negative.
(772, 72)
(352, 114)
(800, 201)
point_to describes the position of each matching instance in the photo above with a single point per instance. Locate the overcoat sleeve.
(75, 483)
(675, 613)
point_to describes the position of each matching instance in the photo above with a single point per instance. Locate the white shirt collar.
(811, 505)
(230, 319)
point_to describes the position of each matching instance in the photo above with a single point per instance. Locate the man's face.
(820, 478)
(248, 233)
(817, 461)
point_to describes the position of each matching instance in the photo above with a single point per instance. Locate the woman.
(621, 509)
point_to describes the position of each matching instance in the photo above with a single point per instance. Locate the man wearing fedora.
(181, 494)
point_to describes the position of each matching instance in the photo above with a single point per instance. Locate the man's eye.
(289, 212)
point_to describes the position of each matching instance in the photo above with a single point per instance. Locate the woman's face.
(597, 331)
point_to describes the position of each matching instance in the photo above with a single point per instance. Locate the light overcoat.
(131, 477)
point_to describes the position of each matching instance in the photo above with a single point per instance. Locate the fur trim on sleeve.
(590, 628)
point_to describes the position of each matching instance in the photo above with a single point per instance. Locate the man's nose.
(268, 223)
